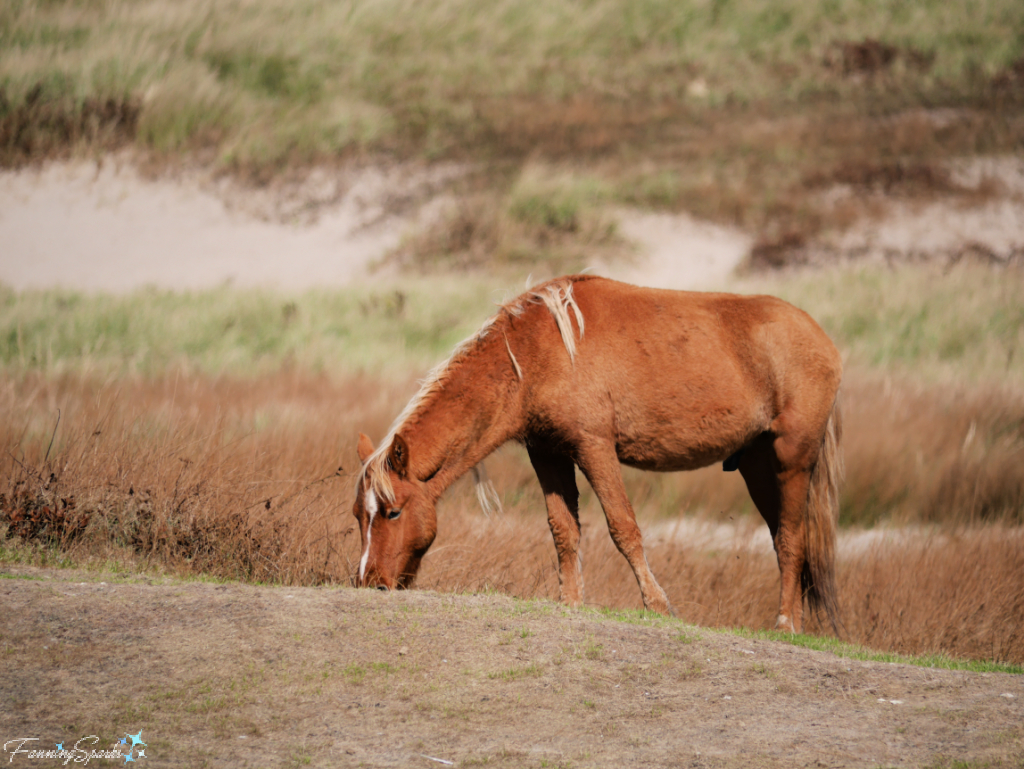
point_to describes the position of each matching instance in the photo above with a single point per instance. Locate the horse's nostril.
(383, 587)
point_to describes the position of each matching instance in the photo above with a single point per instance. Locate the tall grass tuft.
(545, 221)
(189, 474)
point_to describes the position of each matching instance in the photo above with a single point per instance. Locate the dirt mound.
(242, 675)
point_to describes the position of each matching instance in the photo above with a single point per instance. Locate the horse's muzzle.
(375, 581)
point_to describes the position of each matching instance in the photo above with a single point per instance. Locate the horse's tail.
(818, 577)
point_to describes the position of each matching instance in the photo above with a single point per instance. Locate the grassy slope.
(276, 79)
(248, 675)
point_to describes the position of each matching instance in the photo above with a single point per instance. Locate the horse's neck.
(472, 415)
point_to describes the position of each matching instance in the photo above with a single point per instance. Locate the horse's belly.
(671, 459)
(686, 442)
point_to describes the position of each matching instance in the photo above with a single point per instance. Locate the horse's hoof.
(784, 624)
(662, 606)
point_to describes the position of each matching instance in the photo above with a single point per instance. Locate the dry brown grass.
(232, 478)
(240, 479)
(938, 454)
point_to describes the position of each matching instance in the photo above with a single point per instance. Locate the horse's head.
(396, 515)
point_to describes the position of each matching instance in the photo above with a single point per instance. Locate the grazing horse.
(590, 372)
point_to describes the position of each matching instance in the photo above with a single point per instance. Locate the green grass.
(561, 202)
(279, 80)
(18, 552)
(638, 617)
(540, 218)
(686, 633)
(852, 651)
(965, 326)
(241, 332)
(922, 322)
(517, 673)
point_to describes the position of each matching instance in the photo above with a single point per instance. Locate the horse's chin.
(408, 575)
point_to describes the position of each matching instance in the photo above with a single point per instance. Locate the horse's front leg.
(600, 464)
(557, 477)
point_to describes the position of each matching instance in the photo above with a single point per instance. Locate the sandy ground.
(241, 675)
(678, 251)
(752, 535)
(945, 228)
(104, 226)
(108, 228)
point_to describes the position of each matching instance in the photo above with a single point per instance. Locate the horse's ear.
(398, 456)
(364, 447)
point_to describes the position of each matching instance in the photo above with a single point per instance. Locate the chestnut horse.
(590, 372)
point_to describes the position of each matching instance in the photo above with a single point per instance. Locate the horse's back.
(660, 331)
(683, 379)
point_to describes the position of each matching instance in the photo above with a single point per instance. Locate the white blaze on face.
(370, 505)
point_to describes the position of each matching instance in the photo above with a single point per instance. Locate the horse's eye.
(392, 514)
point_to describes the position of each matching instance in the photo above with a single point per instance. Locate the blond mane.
(556, 295)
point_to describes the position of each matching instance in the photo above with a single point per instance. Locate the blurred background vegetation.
(734, 110)
(931, 325)
(284, 81)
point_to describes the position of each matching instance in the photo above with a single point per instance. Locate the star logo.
(136, 742)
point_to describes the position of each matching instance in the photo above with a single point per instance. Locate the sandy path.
(107, 228)
(678, 251)
(104, 227)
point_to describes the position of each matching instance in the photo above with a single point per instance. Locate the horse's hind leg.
(600, 464)
(557, 477)
(780, 494)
